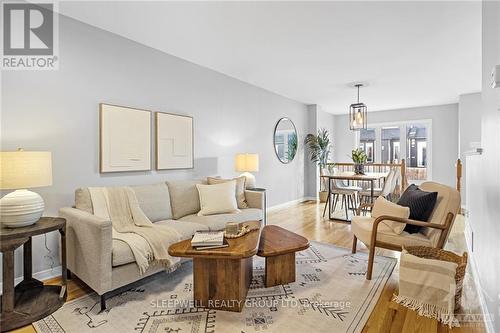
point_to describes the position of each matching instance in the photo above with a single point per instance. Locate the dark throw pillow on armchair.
(421, 205)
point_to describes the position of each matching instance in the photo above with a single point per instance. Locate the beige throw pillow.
(218, 198)
(240, 188)
(385, 207)
(184, 197)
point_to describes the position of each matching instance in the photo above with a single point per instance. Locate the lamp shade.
(25, 169)
(246, 162)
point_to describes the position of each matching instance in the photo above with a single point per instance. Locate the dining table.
(349, 176)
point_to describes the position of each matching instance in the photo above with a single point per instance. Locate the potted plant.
(359, 158)
(319, 152)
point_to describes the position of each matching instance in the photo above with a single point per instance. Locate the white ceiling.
(411, 53)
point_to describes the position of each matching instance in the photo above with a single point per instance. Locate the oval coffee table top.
(241, 247)
(275, 241)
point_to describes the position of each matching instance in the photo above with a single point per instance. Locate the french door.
(391, 142)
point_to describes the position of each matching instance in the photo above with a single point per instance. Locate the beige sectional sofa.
(106, 264)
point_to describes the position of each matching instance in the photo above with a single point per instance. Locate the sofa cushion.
(218, 222)
(184, 197)
(83, 201)
(122, 254)
(362, 227)
(184, 228)
(154, 201)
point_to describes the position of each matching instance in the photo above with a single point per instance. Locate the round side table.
(30, 300)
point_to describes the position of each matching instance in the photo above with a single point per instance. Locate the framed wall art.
(174, 141)
(124, 139)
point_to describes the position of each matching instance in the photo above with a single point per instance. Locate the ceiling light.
(357, 113)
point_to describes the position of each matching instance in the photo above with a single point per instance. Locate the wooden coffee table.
(221, 277)
(278, 246)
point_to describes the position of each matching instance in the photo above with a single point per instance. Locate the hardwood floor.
(388, 317)
(306, 219)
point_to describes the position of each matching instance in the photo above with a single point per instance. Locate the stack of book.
(205, 240)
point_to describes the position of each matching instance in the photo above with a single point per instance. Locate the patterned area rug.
(331, 294)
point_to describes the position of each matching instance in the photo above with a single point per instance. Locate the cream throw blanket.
(428, 287)
(148, 242)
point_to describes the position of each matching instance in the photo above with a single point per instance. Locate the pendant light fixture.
(357, 113)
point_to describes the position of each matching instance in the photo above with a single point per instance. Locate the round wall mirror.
(285, 140)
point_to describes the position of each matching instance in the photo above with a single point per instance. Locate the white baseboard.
(477, 284)
(42, 275)
(289, 203)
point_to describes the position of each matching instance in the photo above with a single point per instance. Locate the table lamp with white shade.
(20, 170)
(247, 163)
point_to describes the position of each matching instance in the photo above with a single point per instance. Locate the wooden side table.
(30, 300)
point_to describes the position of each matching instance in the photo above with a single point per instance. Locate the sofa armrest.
(89, 248)
(255, 199)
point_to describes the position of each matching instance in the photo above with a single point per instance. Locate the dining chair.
(346, 193)
(384, 191)
(395, 181)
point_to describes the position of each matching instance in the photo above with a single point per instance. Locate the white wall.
(327, 121)
(58, 111)
(317, 118)
(484, 172)
(469, 131)
(310, 168)
(444, 136)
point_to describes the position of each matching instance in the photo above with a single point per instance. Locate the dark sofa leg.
(103, 302)
(68, 274)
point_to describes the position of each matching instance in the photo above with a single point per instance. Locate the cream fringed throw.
(147, 241)
(428, 287)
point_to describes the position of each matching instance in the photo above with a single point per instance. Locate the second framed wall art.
(174, 141)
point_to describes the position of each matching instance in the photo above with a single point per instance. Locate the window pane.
(367, 143)
(279, 141)
(390, 144)
(416, 152)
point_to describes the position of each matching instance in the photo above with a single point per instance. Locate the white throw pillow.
(240, 188)
(217, 198)
(385, 207)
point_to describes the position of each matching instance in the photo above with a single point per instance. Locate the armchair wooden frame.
(445, 231)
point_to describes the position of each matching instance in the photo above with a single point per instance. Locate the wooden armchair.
(434, 233)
